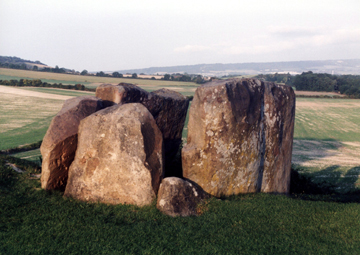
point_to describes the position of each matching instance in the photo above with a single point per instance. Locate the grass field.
(90, 81)
(326, 148)
(25, 118)
(33, 221)
(327, 141)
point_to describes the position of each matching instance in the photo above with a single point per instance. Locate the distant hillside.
(19, 61)
(342, 66)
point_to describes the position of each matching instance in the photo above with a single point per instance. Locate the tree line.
(39, 83)
(308, 81)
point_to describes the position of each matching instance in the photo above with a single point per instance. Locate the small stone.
(179, 197)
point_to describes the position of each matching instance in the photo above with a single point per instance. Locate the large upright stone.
(279, 118)
(60, 142)
(119, 157)
(168, 107)
(240, 137)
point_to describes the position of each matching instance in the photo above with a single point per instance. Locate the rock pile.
(168, 107)
(239, 140)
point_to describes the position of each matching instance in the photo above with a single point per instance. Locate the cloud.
(293, 31)
(280, 39)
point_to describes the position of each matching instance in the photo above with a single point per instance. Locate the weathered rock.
(60, 141)
(279, 118)
(120, 94)
(240, 137)
(119, 157)
(178, 197)
(168, 107)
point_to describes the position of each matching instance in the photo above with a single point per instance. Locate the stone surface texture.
(120, 94)
(168, 107)
(60, 141)
(240, 135)
(119, 157)
(178, 197)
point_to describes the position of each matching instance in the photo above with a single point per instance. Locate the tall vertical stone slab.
(225, 150)
(60, 141)
(119, 157)
(279, 119)
(168, 107)
(240, 135)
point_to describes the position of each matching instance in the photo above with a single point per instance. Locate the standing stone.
(178, 197)
(279, 118)
(168, 107)
(60, 142)
(237, 143)
(119, 157)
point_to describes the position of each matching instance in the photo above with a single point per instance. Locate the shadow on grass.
(325, 185)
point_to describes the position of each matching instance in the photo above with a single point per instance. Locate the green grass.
(32, 155)
(337, 120)
(24, 120)
(33, 221)
(344, 179)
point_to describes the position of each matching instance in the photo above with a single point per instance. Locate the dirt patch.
(322, 105)
(322, 153)
(316, 93)
(29, 93)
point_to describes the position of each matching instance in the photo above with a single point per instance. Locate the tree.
(101, 74)
(117, 74)
(199, 79)
(134, 75)
(84, 72)
(167, 77)
(35, 68)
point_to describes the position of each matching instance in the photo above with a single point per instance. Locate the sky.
(110, 35)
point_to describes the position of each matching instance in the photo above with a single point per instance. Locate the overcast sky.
(108, 35)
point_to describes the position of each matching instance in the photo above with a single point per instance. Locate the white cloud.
(292, 38)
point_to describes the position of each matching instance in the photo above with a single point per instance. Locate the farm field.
(89, 81)
(327, 131)
(326, 148)
(327, 141)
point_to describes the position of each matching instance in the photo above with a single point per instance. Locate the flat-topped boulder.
(168, 107)
(240, 135)
(119, 157)
(120, 94)
(60, 141)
